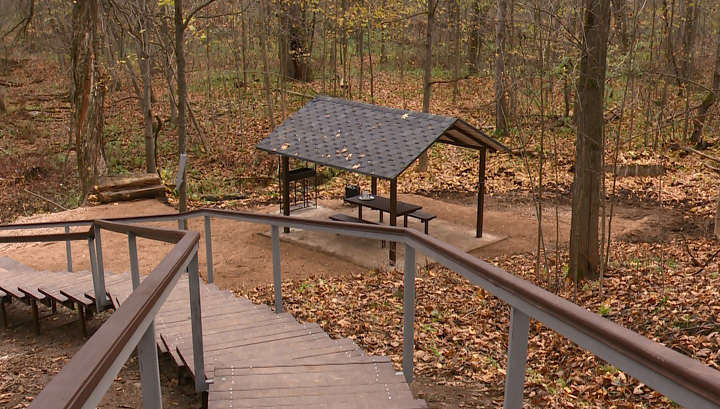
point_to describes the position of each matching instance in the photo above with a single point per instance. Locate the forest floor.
(661, 281)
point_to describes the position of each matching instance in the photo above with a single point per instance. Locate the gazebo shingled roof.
(368, 139)
(371, 140)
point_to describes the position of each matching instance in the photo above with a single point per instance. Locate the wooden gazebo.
(371, 140)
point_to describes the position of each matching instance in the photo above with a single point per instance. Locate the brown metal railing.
(680, 378)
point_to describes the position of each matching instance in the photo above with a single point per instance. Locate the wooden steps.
(254, 358)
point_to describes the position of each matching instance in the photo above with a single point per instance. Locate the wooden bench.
(423, 217)
(349, 219)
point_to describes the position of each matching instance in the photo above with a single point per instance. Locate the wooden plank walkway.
(253, 357)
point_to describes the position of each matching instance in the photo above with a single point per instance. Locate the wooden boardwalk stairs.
(253, 357)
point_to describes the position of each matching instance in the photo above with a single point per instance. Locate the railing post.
(196, 323)
(181, 224)
(409, 314)
(134, 267)
(277, 271)
(208, 250)
(97, 286)
(149, 369)
(99, 275)
(517, 357)
(68, 249)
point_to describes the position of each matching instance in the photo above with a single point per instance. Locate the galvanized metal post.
(277, 271)
(196, 324)
(208, 250)
(409, 314)
(99, 281)
(98, 286)
(68, 249)
(134, 267)
(517, 359)
(149, 369)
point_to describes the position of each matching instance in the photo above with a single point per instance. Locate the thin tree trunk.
(182, 99)
(334, 53)
(266, 66)
(427, 85)
(370, 61)
(3, 109)
(542, 150)
(243, 23)
(167, 69)
(456, 49)
(208, 72)
(360, 50)
(500, 95)
(708, 101)
(584, 249)
(717, 218)
(475, 37)
(345, 81)
(324, 55)
(146, 74)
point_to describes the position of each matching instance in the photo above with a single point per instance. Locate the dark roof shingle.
(364, 138)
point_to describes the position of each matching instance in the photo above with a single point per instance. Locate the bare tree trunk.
(294, 43)
(584, 249)
(2, 102)
(87, 95)
(167, 68)
(383, 39)
(266, 66)
(145, 72)
(432, 7)
(208, 72)
(182, 98)
(708, 102)
(370, 60)
(243, 23)
(360, 51)
(500, 95)
(345, 80)
(688, 38)
(717, 219)
(620, 14)
(475, 37)
(456, 48)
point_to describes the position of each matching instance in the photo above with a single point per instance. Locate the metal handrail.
(681, 378)
(84, 380)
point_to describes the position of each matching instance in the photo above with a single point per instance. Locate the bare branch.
(192, 13)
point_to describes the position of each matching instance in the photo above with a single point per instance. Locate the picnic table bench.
(382, 204)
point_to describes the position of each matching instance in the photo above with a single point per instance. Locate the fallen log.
(131, 194)
(120, 182)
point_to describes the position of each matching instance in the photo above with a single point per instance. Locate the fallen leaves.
(461, 333)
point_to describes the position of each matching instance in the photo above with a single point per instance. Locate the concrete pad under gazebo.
(371, 140)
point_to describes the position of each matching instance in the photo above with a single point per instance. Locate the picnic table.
(383, 205)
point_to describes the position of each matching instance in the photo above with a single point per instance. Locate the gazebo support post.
(393, 217)
(481, 192)
(286, 189)
(373, 190)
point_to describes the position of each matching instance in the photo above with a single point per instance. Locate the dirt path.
(242, 256)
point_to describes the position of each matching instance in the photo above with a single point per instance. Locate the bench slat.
(417, 214)
(345, 218)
